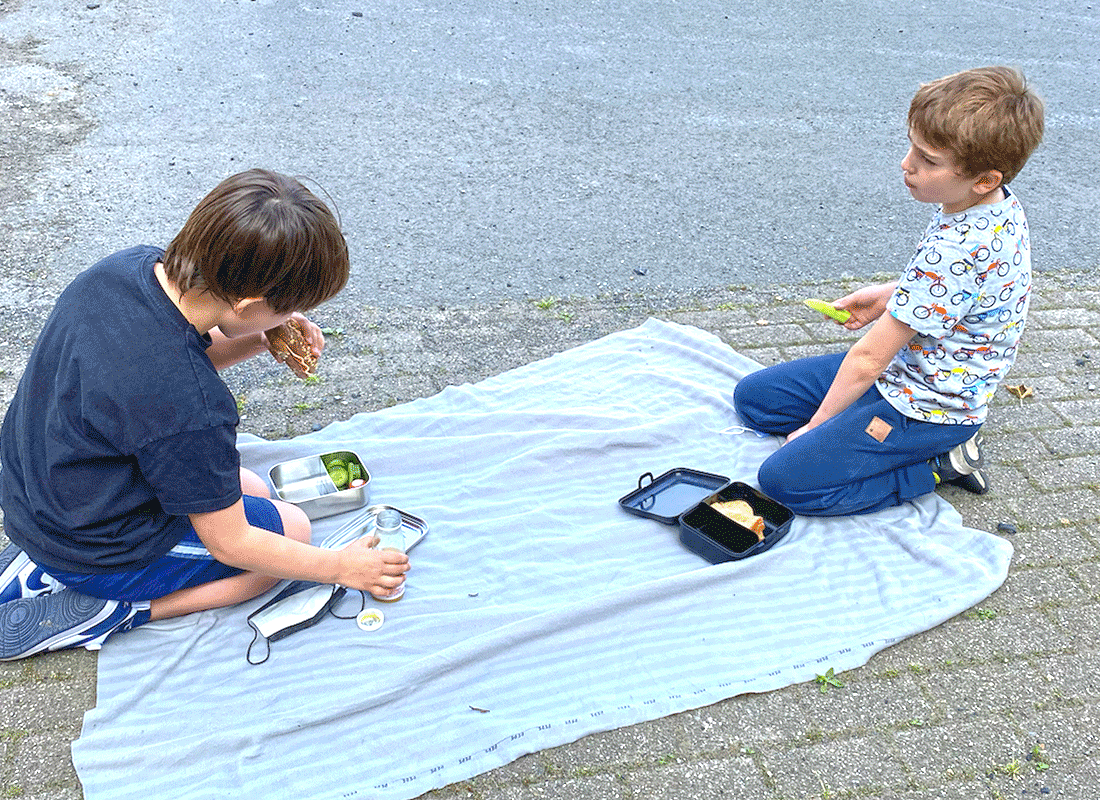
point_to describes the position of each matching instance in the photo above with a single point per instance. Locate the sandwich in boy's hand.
(288, 344)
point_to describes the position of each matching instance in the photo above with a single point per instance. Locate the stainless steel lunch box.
(306, 483)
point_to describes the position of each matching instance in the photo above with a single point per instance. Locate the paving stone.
(827, 768)
(989, 688)
(712, 730)
(1083, 621)
(1073, 441)
(919, 654)
(41, 760)
(1089, 576)
(868, 703)
(1032, 365)
(947, 790)
(1051, 508)
(55, 793)
(768, 335)
(1066, 473)
(1025, 416)
(1066, 744)
(727, 779)
(813, 349)
(627, 747)
(1068, 674)
(1036, 587)
(758, 719)
(1009, 635)
(40, 707)
(597, 787)
(1047, 387)
(1055, 545)
(1078, 412)
(765, 356)
(1073, 318)
(958, 751)
(1059, 340)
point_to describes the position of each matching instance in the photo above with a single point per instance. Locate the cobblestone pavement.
(1002, 701)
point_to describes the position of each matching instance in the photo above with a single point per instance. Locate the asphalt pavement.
(517, 180)
(485, 150)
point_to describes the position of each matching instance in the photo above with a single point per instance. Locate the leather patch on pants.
(879, 429)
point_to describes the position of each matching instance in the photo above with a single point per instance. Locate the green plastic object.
(839, 314)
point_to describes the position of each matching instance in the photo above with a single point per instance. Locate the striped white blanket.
(537, 611)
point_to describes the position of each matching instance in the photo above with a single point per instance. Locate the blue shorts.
(187, 564)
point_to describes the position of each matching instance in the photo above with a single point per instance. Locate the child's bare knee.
(296, 524)
(252, 484)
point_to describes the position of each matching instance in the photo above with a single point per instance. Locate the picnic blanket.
(537, 610)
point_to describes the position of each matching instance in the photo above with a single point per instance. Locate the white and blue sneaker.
(962, 466)
(63, 619)
(21, 577)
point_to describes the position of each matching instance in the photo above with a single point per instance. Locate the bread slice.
(741, 512)
(289, 344)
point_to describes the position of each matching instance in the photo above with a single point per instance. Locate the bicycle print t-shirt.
(966, 293)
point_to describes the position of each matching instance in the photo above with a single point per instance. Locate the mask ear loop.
(362, 605)
(733, 430)
(248, 652)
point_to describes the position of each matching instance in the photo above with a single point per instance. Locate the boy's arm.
(232, 541)
(866, 304)
(861, 367)
(225, 352)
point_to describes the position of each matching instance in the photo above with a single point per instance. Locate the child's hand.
(312, 333)
(866, 304)
(370, 570)
(798, 432)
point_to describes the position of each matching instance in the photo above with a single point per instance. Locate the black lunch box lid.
(683, 496)
(668, 496)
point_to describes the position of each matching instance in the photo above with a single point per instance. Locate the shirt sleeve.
(195, 471)
(937, 290)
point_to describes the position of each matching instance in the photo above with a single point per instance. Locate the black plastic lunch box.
(683, 496)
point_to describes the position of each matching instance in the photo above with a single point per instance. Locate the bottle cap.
(370, 619)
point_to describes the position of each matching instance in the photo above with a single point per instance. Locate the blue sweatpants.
(841, 466)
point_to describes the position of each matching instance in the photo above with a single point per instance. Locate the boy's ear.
(988, 181)
(241, 305)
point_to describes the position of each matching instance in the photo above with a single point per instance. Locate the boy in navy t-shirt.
(121, 485)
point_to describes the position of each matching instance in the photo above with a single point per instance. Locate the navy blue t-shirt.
(119, 428)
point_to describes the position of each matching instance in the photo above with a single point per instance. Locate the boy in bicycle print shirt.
(901, 411)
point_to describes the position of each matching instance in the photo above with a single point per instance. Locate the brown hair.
(987, 118)
(261, 234)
